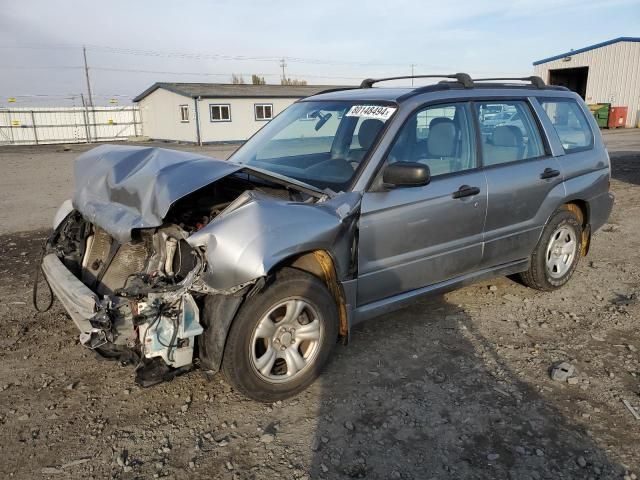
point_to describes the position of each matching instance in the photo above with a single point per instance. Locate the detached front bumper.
(79, 301)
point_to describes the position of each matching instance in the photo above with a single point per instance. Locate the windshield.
(319, 143)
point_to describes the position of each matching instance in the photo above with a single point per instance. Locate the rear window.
(570, 123)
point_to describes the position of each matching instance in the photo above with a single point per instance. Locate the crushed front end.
(133, 301)
(158, 250)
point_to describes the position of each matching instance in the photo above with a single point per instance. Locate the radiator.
(130, 259)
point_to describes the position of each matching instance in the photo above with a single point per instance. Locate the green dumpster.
(600, 112)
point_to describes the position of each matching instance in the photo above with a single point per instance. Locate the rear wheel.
(281, 338)
(557, 254)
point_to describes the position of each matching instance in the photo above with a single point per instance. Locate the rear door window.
(570, 123)
(508, 132)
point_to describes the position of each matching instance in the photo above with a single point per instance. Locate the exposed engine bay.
(151, 288)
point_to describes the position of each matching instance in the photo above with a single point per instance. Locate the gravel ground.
(452, 387)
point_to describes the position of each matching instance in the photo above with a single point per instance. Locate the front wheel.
(281, 338)
(557, 254)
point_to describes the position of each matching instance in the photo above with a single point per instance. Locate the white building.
(210, 112)
(607, 72)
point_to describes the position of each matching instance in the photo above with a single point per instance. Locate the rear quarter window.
(570, 123)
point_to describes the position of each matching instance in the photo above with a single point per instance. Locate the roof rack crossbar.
(535, 80)
(462, 78)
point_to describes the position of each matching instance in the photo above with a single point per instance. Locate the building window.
(184, 113)
(263, 111)
(220, 113)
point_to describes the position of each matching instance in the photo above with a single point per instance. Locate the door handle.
(465, 191)
(549, 173)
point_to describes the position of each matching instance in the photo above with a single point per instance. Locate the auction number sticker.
(371, 111)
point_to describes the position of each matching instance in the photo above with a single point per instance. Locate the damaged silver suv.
(348, 205)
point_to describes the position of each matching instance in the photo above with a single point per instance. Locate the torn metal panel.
(121, 188)
(257, 232)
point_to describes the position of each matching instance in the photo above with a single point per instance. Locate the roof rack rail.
(336, 89)
(462, 78)
(535, 81)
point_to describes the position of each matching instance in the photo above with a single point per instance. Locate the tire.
(295, 313)
(551, 267)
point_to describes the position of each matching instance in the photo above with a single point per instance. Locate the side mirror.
(406, 174)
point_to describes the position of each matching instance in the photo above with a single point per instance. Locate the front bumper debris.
(78, 300)
(159, 330)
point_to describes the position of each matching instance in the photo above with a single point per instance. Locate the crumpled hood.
(121, 188)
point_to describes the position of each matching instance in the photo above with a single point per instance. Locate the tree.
(257, 80)
(237, 79)
(292, 81)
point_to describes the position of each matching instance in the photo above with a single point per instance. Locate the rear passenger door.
(522, 177)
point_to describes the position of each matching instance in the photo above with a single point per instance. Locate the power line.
(199, 55)
(212, 56)
(167, 72)
(44, 67)
(215, 74)
(47, 95)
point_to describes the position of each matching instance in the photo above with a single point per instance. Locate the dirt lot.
(48, 170)
(455, 387)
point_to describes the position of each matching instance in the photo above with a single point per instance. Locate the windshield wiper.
(286, 181)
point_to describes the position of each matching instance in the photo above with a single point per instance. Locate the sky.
(132, 44)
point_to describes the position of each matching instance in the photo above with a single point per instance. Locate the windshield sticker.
(371, 111)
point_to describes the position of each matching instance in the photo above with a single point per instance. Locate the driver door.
(412, 237)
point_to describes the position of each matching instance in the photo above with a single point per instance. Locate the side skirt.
(387, 305)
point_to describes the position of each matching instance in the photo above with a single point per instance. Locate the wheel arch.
(220, 310)
(320, 263)
(580, 208)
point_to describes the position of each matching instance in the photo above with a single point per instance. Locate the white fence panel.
(33, 126)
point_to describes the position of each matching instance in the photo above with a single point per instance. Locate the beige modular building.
(210, 112)
(607, 72)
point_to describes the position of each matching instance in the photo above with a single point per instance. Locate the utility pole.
(86, 74)
(412, 65)
(85, 114)
(283, 64)
(90, 99)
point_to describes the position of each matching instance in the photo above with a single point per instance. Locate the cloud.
(355, 39)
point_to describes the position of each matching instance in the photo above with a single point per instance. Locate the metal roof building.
(212, 112)
(607, 72)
